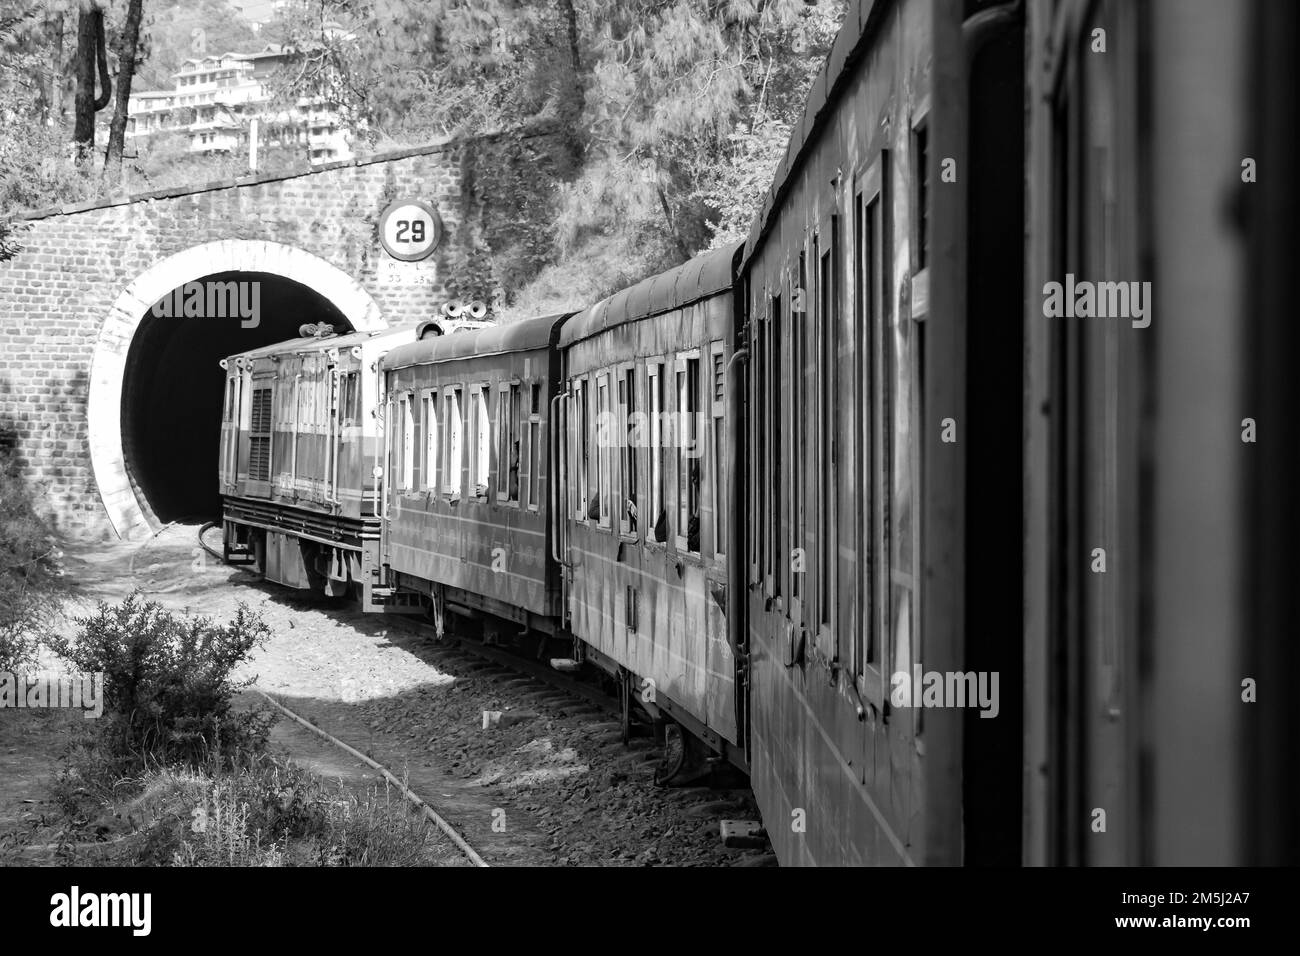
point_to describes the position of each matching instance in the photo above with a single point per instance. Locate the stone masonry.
(72, 298)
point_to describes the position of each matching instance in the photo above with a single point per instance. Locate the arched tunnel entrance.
(172, 385)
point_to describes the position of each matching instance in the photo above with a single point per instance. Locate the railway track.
(532, 684)
(432, 815)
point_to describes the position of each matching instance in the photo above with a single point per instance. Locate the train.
(955, 576)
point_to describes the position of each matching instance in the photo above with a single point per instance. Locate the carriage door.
(228, 462)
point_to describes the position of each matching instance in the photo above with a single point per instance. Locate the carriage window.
(605, 438)
(758, 439)
(873, 479)
(481, 438)
(690, 448)
(229, 415)
(509, 440)
(628, 444)
(451, 446)
(921, 153)
(351, 399)
(584, 450)
(719, 445)
(798, 449)
(657, 519)
(399, 415)
(416, 451)
(259, 436)
(828, 466)
(775, 381)
(533, 480)
(429, 410)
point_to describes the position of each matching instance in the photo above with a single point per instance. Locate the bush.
(168, 690)
(32, 584)
(267, 812)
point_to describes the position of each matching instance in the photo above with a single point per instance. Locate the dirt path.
(555, 788)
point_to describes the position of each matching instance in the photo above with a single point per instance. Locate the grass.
(261, 811)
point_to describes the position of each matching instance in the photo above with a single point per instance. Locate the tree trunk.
(90, 52)
(56, 71)
(127, 47)
(571, 111)
(684, 252)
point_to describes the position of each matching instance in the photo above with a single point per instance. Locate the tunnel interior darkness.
(172, 390)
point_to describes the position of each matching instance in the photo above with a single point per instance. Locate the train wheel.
(625, 706)
(684, 758)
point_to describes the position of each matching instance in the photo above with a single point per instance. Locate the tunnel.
(172, 386)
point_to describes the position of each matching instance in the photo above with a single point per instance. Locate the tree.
(92, 51)
(128, 45)
(674, 111)
(35, 164)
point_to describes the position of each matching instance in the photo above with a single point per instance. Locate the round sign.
(410, 229)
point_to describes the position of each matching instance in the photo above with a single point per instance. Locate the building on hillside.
(216, 97)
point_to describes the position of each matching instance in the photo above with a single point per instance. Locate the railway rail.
(607, 720)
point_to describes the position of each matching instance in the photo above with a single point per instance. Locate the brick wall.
(57, 295)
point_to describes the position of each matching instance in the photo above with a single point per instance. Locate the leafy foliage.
(168, 686)
(675, 112)
(261, 811)
(32, 583)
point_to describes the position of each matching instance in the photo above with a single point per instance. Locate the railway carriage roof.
(701, 277)
(526, 336)
(311, 343)
(854, 36)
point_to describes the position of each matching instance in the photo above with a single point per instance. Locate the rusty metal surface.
(704, 276)
(489, 547)
(320, 452)
(679, 641)
(852, 775)
(856, 37)
(526, 336)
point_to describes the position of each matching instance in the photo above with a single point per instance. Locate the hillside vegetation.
(672, 113)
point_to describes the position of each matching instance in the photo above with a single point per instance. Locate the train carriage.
(298, 444)
(778, 491)
(861, 394)
(467, 505)
(647, 496)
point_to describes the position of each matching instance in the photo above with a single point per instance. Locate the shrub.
(268, 812)
(168, 686)
(32, 584)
